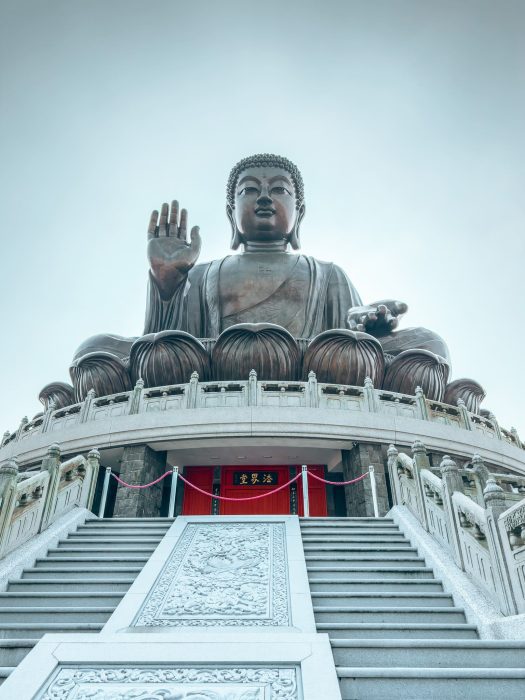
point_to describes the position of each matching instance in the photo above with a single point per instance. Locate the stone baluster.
(252, 388)
(313, 391)
(8, 481)
(452, 482)
(137, 396)
(51, 464)
(46, 421)
(482, 476)
(193, 390)
(421, 461)
(370, 395)
(494, 497)
(495, 423)
(21, 427)
(516, 437)
(86, 406)
(93, 460)
(421, 403)
(464, 415)
(393, 454)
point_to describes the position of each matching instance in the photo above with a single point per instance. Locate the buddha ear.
(236, 235)
(294, 235)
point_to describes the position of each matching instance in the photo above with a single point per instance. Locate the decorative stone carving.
(222, 574)
(172, 683)
(103, 372)
(268, 349)
(169, 357)
(345, 357)
(413, 368)
(57, 395)
(468, 391)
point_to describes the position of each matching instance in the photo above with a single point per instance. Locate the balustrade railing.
(30, 502)
(293, 394)
(472, 515)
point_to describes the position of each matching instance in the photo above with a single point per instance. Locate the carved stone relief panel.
(154, 683)
(230, 574)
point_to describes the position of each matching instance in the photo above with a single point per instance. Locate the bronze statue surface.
(268, 282)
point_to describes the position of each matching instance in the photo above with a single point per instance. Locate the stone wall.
(140, 465)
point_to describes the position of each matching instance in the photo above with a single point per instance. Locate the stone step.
(88, 562)
(356, 573)
(432, 683)
(136, 521)
(405, 615)
(22, 630)
(63, 573)
(338, 538)
(388, 548)
(63, 599)
(12, 651)
(72, 614)
(322, 530)
(103, 551)
(89, 540)
(364, 559)
(371, 585)
(5, 672)
(377, 599)
(121, 530)
(397, 630)
(40, 585)
(429, 653)
(345, 521)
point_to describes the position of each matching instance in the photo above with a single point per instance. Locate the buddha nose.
(264, 197)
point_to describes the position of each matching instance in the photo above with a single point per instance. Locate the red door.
(242, 482)
(195, 503)
(316, 493)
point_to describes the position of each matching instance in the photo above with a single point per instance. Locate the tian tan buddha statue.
(267, 308)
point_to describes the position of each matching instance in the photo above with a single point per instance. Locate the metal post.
(306, 502)
(374, 490)
(104, 495)
(173, 492)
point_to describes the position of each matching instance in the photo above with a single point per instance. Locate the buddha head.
(265, 201)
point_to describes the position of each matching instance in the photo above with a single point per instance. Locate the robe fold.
(325, 294)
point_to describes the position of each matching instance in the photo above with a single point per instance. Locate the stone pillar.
(359, 496)
(140, 465)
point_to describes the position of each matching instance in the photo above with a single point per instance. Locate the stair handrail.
(30, 505)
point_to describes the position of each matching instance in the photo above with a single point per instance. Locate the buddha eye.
(279, 189)
(249, 189)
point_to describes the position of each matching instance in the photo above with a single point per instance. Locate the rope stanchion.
(339, 483)
(248, 498)
(141, 486)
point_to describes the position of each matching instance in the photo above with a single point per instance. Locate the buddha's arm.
(341, 296)
(171, 258)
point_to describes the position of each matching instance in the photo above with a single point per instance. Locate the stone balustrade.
(467, 512)
(234, 394)
(32, 501)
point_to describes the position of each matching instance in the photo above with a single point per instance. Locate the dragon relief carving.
(153, 683)
(222, 574)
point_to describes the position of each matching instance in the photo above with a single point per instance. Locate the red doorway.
(243, 482)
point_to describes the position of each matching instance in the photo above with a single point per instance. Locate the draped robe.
(314, 296)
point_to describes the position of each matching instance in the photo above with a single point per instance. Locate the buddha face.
(265, 206)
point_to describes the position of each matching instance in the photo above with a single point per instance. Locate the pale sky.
(406, 118)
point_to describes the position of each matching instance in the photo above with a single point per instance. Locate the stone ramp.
(394, 631)
(77, 585)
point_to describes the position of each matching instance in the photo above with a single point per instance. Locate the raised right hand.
(169, 253)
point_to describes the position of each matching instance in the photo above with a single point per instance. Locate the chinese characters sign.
(255, 478)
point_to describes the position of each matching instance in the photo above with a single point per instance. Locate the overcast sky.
(406, 118)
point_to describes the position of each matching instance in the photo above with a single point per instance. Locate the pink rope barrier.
(142, 486)
(248, 498)
(339, 483)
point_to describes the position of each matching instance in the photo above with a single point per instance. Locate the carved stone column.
(140, 465)
(359, 496)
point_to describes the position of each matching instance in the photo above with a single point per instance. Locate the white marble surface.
(300, 616)
(479, 610)
(298, 667)
(25, 555)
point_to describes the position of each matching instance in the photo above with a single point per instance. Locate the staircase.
(394, 632)
(77, 585)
